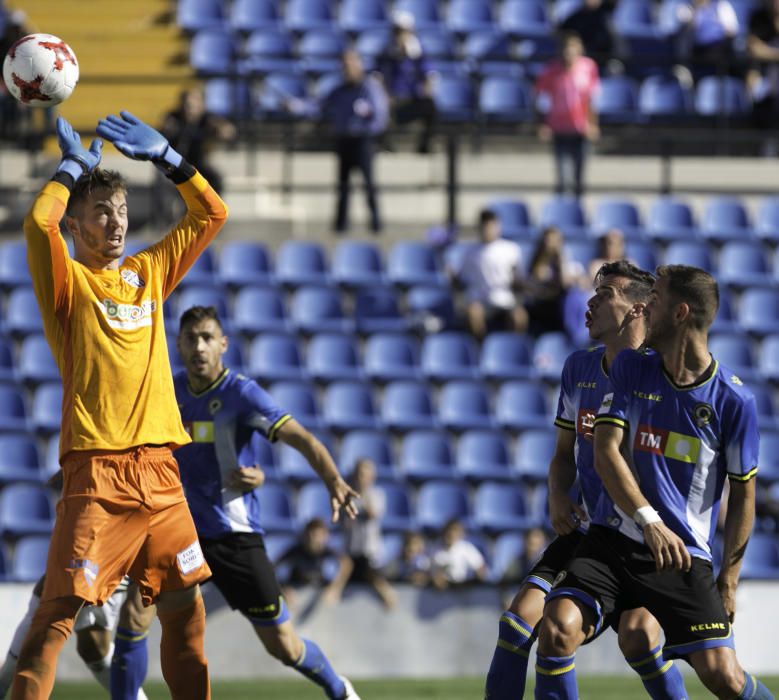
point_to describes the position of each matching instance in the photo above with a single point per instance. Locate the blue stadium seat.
(426, 454)
(454, 98)
(299, 400)
(744, 264)
(695, 253)
(768, 358)
(499, 508)
(534, 450)
(301, 262)
(13, 416)
(524, 19)
(716, 96)
(430, 308)
(268, 51)
(277, 90)
(357, 264)
(304, 15)
(768, 459)
(19, 461)
(617, 213)
(464, 405)
(766, 411)
(376, 310)
(725, 218)
(514, 216)
(549, 354)
(581, 250)
(14, 270)
(202, 272)
(276, 509)
(670, 219)
(482, 455)
(326, 83)
(203, 296)
(212, 52)
(233, 357)
(641, 253)
(367, 444)
(758, 311)
(372, 43)
(259, 310)
(397, 516)
(391, 356)
(22, 315)
(244, 262)
(333, 356)
(251, 15)
(194, 15)
(506, 356)
(46, 415)
(294, 466)
(36, 363)
(275, 357)
(313, 501)
(631, 16)
(725, 320)
(486, 45)
(29, 560)
(227, 98)
(467, 16)
(507, 558)
(617, 100)
(767, 223)
(7, 367)
(522, 404)
(424, 12)
(319, 310)
(563, 9)
(734, 351)
(349, 406)
(448, 356)
(438, 502)
(407, 405)
(362, 15)
(505, 99)
(565, 213)
(25, 509)
(320, 51)
(662, 97)
(438, 46)
(761, 560)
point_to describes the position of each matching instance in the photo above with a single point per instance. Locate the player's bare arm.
(738, 526)
(342, 496)
(667, 548)
(246, 478)
(564, 512)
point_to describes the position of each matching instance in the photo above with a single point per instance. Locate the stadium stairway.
(144, 70)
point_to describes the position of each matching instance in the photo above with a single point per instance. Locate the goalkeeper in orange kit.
(122, 509)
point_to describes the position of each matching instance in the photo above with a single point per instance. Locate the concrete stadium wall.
(429, 634)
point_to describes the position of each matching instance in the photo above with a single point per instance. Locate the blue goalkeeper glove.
(137, 140)
(76, 160)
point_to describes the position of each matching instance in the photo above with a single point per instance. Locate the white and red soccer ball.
(40, 70)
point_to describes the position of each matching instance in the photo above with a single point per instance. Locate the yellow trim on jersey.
(690, 387)
(210, 387)
(519, 651)
(275, 427)
(515, 625)
(555, 671)
(659, 672)
(565, 424)
(611, 421)
(743, 477)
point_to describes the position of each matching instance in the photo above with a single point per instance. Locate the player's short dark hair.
(641, 281)
(487, 215)
(696, 288)
(314, 524)
(98, 179)
(196, 314)
(568, 35)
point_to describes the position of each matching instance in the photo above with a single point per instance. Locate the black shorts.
(245, 576)
(612, 573)
(364, 571)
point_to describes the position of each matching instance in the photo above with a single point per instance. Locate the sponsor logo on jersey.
(89, 568)
(647, 397)
(707, 626)
(703, 414)
(190, 559)
(132, 278)
(128, 316)
(667, 443)
(559, 578)
(736, 380)
(200, 430)
(606, 402)
(587, 385)
(214, 406)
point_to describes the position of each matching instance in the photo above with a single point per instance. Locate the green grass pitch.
(590, 688)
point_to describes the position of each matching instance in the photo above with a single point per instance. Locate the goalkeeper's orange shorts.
(122, 513)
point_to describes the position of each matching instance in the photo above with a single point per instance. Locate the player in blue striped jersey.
(673, 425)
(615, 318)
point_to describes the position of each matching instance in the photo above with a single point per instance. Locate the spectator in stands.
(611, 247)
(712, 25)
(414, 564)
(550, 276)
(565, 89)
(408, 79)
(492, 277)
(357, 111)
(534, 541)
(359, 563)
(763, 78)
(192, 131)
(306, 562)
(457, 561)
(592, 22)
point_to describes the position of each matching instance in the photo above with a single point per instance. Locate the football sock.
(129, 665)
(661, 678)
(182, 656)
(101, 669)
(313, 664)
(508, 670)
(9, 666)
(753, 690)
(555, 678)
(37, 665)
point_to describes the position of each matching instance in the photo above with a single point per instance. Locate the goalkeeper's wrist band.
(646, 515)
(74, 168)
(169, 161)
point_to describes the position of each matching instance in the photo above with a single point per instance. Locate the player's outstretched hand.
(565, 514)
(76, 159)
(342, 496)
(137, 140)
(667, 548)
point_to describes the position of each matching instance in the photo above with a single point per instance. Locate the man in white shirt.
(457, 561)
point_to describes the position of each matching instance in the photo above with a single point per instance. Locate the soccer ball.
(40, 70)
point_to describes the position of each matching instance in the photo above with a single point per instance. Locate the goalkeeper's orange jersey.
(105, 327)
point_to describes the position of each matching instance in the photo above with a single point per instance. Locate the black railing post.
(452, 181)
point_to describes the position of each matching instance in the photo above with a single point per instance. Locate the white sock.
(9, 666)
(101, 669)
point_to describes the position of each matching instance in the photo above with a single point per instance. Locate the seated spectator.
(457, 561)
(592, 22)
(712, 25)
(550, 276)
(763, 78)
(407, 78)
(413, 566)
(611, 247)
(359, 562)
(491, 276)
(306, 563)
(534, 542)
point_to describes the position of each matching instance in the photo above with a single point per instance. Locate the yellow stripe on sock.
(660, 671)
(555, 671)
(132, 637)
(641, 662)
(515, 625)
(519, 651)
